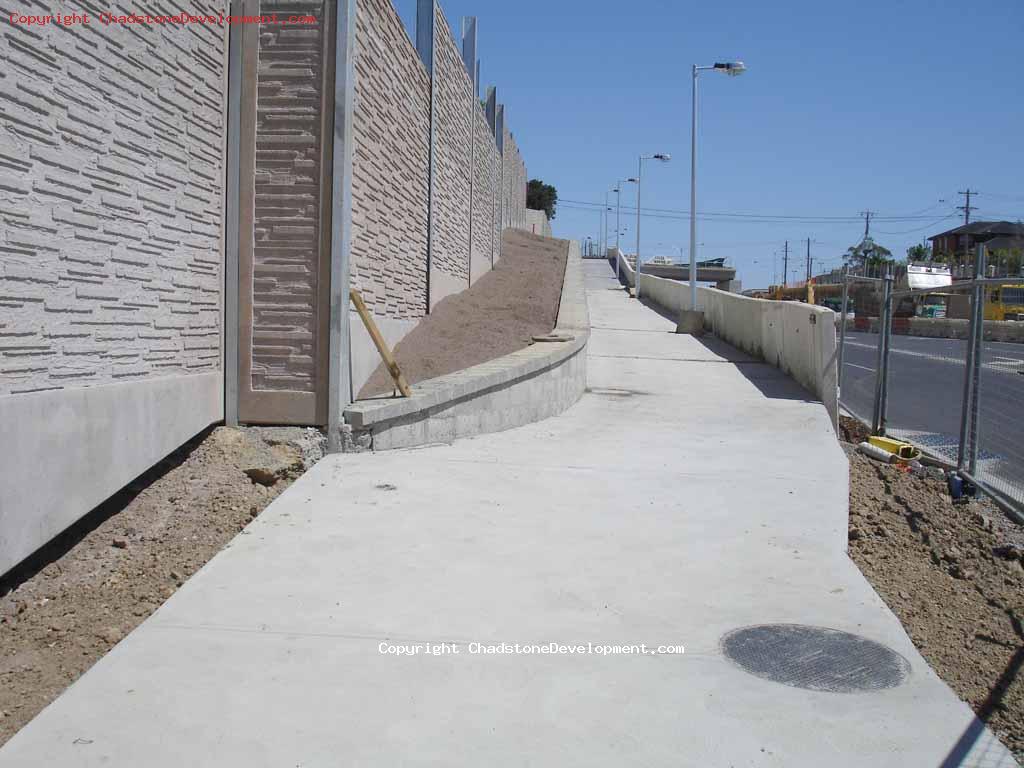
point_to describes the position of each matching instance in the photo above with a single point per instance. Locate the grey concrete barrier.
(942, 328)
(529, 385)
(798, 339)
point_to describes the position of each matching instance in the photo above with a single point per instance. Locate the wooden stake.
(382, 346)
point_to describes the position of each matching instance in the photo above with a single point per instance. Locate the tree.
(541, 197)
(919, 252)
(868, 256)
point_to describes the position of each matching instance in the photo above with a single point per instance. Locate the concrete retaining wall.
(66, 451)
(797, 339)
(537, 222)
(532, 384)
(941, 328)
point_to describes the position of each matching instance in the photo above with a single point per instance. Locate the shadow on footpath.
(958, 754)
(769, 380)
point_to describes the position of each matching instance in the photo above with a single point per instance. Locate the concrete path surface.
(691, 492)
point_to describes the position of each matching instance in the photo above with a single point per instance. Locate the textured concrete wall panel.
(286, 219)
(484, 154)
(452, 167)
(111, 144)
(391, 162)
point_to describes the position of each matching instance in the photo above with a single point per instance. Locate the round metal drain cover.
(815, 658)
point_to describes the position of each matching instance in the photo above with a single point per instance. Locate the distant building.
(997, 235)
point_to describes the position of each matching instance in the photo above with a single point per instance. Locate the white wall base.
(67, 450)
(443, 285)
(365, 357)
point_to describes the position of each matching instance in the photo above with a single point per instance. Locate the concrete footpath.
(690, 493)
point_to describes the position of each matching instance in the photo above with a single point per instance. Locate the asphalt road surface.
(926, 380)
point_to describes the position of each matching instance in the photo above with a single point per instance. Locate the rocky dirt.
(498, 315)
(72, 602)
(953, 574)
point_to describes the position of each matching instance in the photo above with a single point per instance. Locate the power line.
(919, 229)
(648, 213)
(769, 216)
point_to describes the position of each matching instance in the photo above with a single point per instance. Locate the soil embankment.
(953, 575)
(499, 314)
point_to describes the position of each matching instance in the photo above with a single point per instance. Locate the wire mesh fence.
(860, 350)
(1000, 432)
(926, 381)
(953, 386)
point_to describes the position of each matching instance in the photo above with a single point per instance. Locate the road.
(926, 392)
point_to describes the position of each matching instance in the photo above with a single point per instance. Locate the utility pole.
(809, 270)
(785, 266)
(967, 208)
(867, 222)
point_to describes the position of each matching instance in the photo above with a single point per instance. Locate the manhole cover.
(815, 658)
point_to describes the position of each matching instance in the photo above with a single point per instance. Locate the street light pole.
(604, 224)
(618, 211)
(732, 68)
(636, 269)
(618, 225)
(639, 177)
(693, 194)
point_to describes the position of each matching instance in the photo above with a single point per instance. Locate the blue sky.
(888, 106)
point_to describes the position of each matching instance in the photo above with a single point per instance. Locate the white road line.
(862, 367)
(996, 367)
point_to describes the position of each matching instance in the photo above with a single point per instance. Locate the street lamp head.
(664, 158)
(731, 68)
(631, 181)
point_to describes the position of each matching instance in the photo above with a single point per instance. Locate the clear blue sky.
(887, 106)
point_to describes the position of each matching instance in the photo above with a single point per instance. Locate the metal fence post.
(882, 367)
(978, 330)
(884, 372)
(842, 325)
(967, 452)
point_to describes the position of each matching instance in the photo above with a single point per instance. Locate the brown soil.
(499, 314)
(62, 610)
(955, 578)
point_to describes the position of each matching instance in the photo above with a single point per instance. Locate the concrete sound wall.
(427, 175)
(111, 262)
(113, 187)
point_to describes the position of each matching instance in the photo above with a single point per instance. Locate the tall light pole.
(639, 177)
(618, 225)
(732, 68)
(606, 220)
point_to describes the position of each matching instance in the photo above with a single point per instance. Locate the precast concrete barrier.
(941, 328)
(798, 339)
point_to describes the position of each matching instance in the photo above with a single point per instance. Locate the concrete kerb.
(526, 386)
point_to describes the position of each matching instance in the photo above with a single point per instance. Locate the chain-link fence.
(942, 368)
(926, 375)
(862, 299)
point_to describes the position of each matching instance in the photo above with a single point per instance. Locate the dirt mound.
(65, 608)
(499, 314)
(955, 578)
